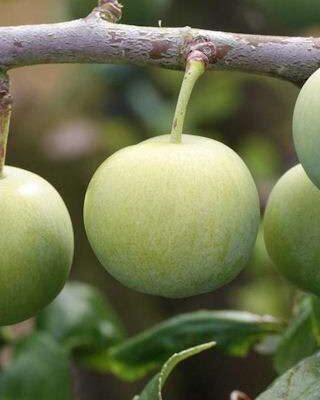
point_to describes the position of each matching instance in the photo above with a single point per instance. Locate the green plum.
(292, 229)
(173, 219)
(306, 127)
(36, 244)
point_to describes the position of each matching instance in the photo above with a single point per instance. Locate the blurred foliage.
(81, 319)
(294, 14)
(302, 338)
(219, 97)
(39, 370)
(144, 11)
(261, 157)
(234, 333)
(265, 292)
(80, 8)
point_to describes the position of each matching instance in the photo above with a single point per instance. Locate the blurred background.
(68, 118)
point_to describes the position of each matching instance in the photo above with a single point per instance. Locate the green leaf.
(81, 319)
(39, 370)
(299, 341)
(153, 390)
(302, 382)
(233, 331)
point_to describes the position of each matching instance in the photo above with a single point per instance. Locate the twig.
(95, 40)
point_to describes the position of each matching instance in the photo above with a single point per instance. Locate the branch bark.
(95, 40)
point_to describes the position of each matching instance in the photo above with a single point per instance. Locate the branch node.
(5, 96)
(110, 10)
(201, 48)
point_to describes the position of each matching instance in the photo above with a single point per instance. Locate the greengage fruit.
(306, 127)
(36, 244)
(173, 219)
(292, 229)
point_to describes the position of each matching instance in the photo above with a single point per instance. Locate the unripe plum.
(292, 229)
(306, 127)
(173, 219)
(36, 244)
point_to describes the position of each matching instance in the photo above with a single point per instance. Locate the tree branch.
(95, 40)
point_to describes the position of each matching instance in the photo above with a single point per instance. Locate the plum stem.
(5, 116)
(194, 70)
(200, 52)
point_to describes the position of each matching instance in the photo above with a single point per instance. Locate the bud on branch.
(201, 49)
(111, 10)
(236, 395)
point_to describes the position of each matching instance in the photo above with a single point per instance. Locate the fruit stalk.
(5, 116)
(200, 53)
(193, 72)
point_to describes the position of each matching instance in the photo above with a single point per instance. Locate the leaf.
(81, 319)
(38, 370)
(153, 390)
(299, 341)
(302, 382)
(233, 331)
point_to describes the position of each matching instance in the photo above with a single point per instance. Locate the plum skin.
(36, 244)
(292, 229)
(306, 127)
(173, 220)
